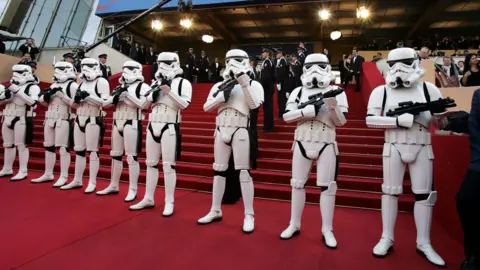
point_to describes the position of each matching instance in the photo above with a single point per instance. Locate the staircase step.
(263, 190)
(367, 175)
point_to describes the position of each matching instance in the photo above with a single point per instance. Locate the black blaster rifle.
(51, 91)
(156, 86)
(317, 99)
(226, 87)
(118, 90)
(436, 106)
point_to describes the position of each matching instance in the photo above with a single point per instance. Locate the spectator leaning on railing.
(471, 73)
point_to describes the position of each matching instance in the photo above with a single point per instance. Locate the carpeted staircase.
(359, 176)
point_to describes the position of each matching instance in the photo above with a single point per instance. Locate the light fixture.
(336, 34)
(186, 23)
(362, 12)
(157, 25)
(207, 38)
(324, 14)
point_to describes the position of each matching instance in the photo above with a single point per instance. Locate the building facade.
(51, 23)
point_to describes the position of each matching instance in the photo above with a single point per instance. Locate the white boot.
(133, 173)
(168, 209)
(8, 159)
(389, 216)
(23, 155)
(327, 207)
(248, 224)
(152, 180)
(80, 164)
(215, 213)
(143, 204)
(246, 185)
(117, 168)
(92, 179)
(65, 160)
(170, 177)
(423, 213)
(297, 205)
(50, 159)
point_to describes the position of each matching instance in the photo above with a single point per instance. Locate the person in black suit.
(281, 76)
(301, 55)
(2, 47)
(267, 79)
(202, 66)
(468, 199)
(297, 70)
(106, 71)
(216, 68)
(325, 51)
(29, 47)
(189, 65)
(357, 66)
(341, 68)
(151, 56)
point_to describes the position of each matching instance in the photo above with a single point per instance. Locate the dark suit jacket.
(474, 128)
(33, 51)
(356, 65)
(105, 71)
(151, 58)
(216, 71)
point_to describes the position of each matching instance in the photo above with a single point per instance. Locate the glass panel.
(65, 12)
(79, 20)
(41, 26)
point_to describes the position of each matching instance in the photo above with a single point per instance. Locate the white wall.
(115, 58)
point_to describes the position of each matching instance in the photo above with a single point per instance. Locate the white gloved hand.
(405, 120)
(287, 95)
(186, 66)
(14, 88)
(124, 94)
(197, 69)
(206, 70)
(59, 94)
(279, 87)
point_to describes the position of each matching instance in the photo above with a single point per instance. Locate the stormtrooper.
(315, 140)
(128, 99)
(89, 127)
(170, 93)
(20, 100)
(407, 143)
(57, 126)
(234, 98)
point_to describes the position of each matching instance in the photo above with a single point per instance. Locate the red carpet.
(360, 148)
(52, 229)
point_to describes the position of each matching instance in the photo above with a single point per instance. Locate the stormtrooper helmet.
(22, 74)
(168, 66)
(90, 69)
(404, 68)
(317, 72)
(236, 61)
(63, 72)
(132, 72)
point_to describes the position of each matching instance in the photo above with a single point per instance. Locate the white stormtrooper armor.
(129, 99)
(407, 142)
(232, 134)
(315, 140)
(57, 126)
(88, 129)
(17, 126)
(170, 93)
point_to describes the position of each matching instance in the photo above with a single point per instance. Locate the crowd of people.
(434, 42)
